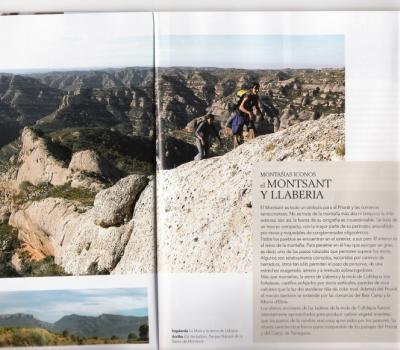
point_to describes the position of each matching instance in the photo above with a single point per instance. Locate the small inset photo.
(74, 317)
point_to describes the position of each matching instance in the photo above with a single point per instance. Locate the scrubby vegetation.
(15, 336)
(144, 332)
(9, 244)
(29, 192)
(39, 268)
(130, 154)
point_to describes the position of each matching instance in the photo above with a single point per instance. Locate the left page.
(76, 180)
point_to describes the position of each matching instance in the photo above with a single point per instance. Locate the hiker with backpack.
(204, 131)
(242, 116)
(246, 105)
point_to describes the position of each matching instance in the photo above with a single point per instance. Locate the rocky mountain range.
(103, 326)
(287, 97)
(78, 151)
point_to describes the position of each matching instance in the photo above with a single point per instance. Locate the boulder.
(139, 252)
(114, 206)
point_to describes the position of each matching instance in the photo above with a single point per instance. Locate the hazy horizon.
(51, 305)
(76, 40)
(251, 51)
(96, 41)
(79, 69)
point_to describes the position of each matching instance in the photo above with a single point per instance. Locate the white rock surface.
(39, 223)
(79, 245)
(87, 161)
(114, 206)
(204, 207)
(37, 164)
(139, 254)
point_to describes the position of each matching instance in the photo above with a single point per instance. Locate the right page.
(278, 178)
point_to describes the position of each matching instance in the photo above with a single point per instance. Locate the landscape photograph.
(77, 149)
(74, 317)
(104, 111)
(292, 108)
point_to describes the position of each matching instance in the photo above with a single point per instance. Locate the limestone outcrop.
(38, 165)
(204, 207)
(116, 232)
(41, 162)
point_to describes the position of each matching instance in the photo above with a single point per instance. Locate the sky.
(50, 306)
(114, 40)
(75, 41)
(252, 51)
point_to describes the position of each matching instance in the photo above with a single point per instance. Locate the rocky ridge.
(42, 162)
(98, 240)
(102, 108)
(204, 213)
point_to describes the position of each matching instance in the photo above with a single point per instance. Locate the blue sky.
(50, 306)
(252, 51)
(99, 40)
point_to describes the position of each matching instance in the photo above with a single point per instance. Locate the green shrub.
(132, 337)
(9, 244)
(39, 268)
(144, 331)
(82, 195)
(29, 192)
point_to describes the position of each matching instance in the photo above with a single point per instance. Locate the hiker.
(235, 125)
(203, 133)
(249, 101)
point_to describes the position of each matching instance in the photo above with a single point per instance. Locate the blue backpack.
(236, 123)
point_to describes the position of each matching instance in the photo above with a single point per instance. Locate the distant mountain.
(103, 326)
(98, 79)
(29, 99)
(129, 110)
(23, 320)
(23, 101)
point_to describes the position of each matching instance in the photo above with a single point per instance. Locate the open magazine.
(199, 180)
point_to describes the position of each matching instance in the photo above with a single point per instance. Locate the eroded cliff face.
(100, 240)
(43, 162)
(204, 207)
(115, 232)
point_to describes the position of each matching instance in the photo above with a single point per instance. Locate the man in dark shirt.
(204, 132)
(246, 106)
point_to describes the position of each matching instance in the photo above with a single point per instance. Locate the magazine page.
(77, 181)
(271, 128)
